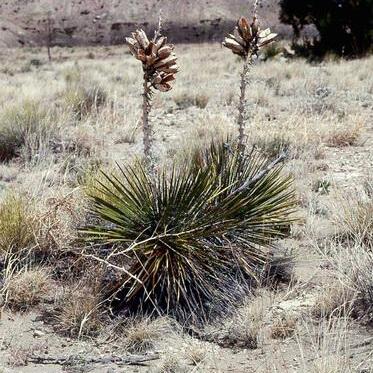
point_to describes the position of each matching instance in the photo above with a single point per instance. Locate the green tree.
(345, 26)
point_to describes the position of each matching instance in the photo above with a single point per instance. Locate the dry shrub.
(283, 327)
(58, 216)
(18, 357)
(353, 217)
(195, 352)
(170, 364)
(27, 288)
(345, 136)
(17, 224)
(335, 299)
(24, 125)
(141, 334)
(185, 100)
(81, 96)
(243, 328)
(77, 311)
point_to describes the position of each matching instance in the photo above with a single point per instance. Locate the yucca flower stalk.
(246, 41)
(159, 67)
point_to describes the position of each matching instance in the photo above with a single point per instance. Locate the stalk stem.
(242, 103)
(147, 128)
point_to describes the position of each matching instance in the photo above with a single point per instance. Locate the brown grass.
(27, 288)
(77, 311)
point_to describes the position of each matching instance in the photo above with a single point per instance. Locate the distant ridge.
(92, 22)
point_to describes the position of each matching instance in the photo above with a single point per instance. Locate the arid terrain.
(61, 122)
(95, 22)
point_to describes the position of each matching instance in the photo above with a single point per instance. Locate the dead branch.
(73, 360)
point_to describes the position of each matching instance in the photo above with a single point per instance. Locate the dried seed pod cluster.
(157, 57)
(248, 38)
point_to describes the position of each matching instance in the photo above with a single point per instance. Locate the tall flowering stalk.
(159, 67)
(246, 41)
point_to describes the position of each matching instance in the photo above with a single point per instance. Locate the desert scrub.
(82, 96)
(353, 269)
(185, 100)
(140, 335)
(27, 288)
(77, 311)
(17, 224)
(243, 328)
(195, 237)
(335, 299)
(353, 217)
(25, 125)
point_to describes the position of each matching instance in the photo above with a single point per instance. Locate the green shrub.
(345, 26)
(196, 236)
(24, 125)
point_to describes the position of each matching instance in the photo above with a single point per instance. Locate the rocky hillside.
(90, 22)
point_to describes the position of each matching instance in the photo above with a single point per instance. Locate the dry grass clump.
(27, 288)
(81, 96)
(170, 364)
(141, 334)
(346, 136)
(77, 311)
(17, 224)
(185, 100)
(25, 125)
(283, 327)
(243, 328)
(352, 290)
(40, 228)
(353, 217)
(324, 346)
(355, 269)
(275, 145)
(335, 299)
(195, 352)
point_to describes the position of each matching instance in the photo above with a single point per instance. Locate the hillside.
(91, 22)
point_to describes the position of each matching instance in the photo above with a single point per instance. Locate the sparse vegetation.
(82, 97)
(353, 216)
(141, 335)
(77, 311)
(315, 317)
(17, 224)
(25, 125)
(26, 288)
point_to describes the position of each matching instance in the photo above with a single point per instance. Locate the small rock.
(38, 334)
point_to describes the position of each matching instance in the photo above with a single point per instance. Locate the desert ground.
(61, 122)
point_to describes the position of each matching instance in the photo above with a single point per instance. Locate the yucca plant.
(196, 236)
(246, 41)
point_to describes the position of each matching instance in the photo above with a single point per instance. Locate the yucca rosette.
(157, 57)
(248, 38)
